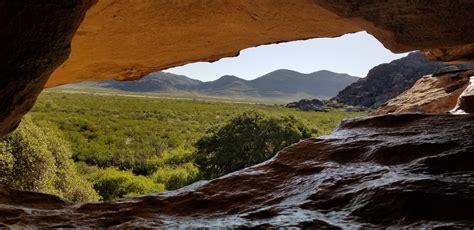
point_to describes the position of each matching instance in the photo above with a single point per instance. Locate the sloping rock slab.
(410, 170)
(436, 93)
(466, 99)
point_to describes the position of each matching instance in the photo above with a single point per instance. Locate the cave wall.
(35, 37)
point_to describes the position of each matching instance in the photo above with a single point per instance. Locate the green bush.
(112, 184)
(35, 159)
(176, 177)
(246, 140)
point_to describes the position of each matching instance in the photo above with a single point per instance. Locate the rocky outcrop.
(436, 93)
(126, 39)
(387, 81)
(465, 102)
(308, 105)
(383, 171)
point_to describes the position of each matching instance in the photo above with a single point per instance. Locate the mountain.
(287, 82)
(389, 80)
(276, 85)
(155, 82)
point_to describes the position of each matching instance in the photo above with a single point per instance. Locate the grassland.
(145, 137)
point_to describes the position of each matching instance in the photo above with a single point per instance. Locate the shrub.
(35, 159)
(246, 140)
(112, 184)
(176, 177)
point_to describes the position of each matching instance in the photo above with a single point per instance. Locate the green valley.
(127, 145)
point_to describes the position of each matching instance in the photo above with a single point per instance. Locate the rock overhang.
(125, 39)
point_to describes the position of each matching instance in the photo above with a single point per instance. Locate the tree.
(246, 140)
(36, 159)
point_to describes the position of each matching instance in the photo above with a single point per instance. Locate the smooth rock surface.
(436, 93)
(383, 171)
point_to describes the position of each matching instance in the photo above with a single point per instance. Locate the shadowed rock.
(35, 39)
(308, 105)
(390, 170)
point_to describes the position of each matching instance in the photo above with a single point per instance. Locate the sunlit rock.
(465, 102)
(126, 39)
(436, 93)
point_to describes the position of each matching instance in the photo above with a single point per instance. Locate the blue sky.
(354, 54)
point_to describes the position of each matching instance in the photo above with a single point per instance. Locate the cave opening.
(129, 138)
(405, 165)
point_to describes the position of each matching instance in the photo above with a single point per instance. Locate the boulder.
(308, 105)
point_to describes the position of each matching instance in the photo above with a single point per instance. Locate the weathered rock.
(465, 102)
(387, 81)
(308, 105)
(401, 24)
(436, 93)
(460, 53)
(391, 170)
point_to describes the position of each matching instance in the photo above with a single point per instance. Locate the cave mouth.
(167, 130)
(129, 138)
(403, 169)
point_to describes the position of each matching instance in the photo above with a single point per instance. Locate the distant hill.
(389, 80)
(155, 82)
(277, 84)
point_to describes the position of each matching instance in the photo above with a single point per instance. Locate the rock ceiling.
(125, 39)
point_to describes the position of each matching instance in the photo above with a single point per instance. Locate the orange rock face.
(126, 39)
(431, 94)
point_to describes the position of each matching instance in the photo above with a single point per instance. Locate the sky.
(354, 54)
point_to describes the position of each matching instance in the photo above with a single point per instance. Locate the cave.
(389, 170)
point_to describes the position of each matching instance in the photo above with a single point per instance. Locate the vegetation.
(246, 140)
(35, 159)
(131, 145)
(112, 184)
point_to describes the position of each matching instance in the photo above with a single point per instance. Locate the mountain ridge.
(281, 83)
